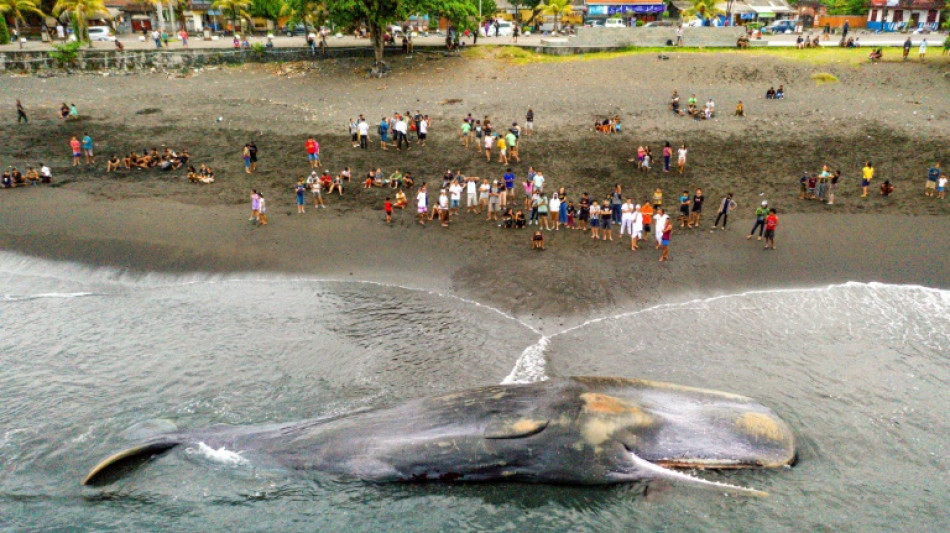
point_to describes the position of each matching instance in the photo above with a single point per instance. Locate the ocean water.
(91, 360)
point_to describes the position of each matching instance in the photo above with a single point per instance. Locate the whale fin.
(658, 472)
(119, 464)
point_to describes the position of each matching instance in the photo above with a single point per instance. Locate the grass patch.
(824, 77)
(832, 55)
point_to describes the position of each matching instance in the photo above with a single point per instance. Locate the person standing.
(679, 35)
(922, 51)
(725, 205)
(87, 149)
(771, 222)
(684, 209)
(907, 45)
(262, 210)
(423, 130)
(157, 37)
(660, 223)
(313, 151)
(422, 204)
(529, 122)
(933, 174)
(252, 149)
(301, 190)
(362, 128)
(681, 158)
(246, 156)
(665, 238)
(637, 234)
(183, 35)
(867, 174)
(667, 155)
(626, 218)
(760, 213)
(75, 146)
(697, 210)
(616, 201)
(20, 113)
(255, 205)
(833, 186)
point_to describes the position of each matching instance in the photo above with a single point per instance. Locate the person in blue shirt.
(383, 133)
(87, 148)
(510, 182)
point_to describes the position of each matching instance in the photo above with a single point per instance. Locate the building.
(894, 15)
(645, 10)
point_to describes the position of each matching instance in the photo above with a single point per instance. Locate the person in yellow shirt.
(502, 150)
(867, 174)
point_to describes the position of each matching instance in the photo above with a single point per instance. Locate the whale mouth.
(643, 469)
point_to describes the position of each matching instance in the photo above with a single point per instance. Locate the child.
(942, 183)
(771, 222)
(571, 211)
(519, 219)
(263, 210)
(537, 240)
(300, 189)
(388, 207)
(740, 109)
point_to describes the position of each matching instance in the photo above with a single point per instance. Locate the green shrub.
(640, 23)
(65, 54)
(258, 47)
(4, 31)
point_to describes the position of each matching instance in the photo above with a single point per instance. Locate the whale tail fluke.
(119, 464)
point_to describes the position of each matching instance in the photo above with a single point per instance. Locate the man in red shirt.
(313, 152)
(74, 144)
(771, 222)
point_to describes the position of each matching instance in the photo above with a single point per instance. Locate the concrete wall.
(593, 38)
(39, 61)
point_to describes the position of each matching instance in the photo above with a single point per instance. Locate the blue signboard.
(641, 9)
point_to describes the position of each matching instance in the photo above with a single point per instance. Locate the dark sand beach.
(893, 114)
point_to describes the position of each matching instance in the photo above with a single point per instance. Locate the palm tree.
(238, 9)
(312, 13)
(704, 9)
(556, 8)
(80, 11)
(18, 8)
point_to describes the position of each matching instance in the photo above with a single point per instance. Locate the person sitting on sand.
(6, 181)
(876, 55)
(73, 111)
(780, 93)
(770, 94)
(192, 174)
(395, 179)
(112, 165)
(336, 185)
(537, 240)
(32, 176)
(63, 111)
(742, 42)
(519, 219)
(740, 109)
(401, 200)
(886, 188)
(508, 219)
(675, 104)
(17, 177)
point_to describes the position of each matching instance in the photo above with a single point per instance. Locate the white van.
(101, 34)
(614, 23)
(505, 28)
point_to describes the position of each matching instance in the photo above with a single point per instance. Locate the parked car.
(659, 24)
(101, 33)
(293, 31)
(614, 23)
(781, 26)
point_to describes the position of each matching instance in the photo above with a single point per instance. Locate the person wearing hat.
(760, 213)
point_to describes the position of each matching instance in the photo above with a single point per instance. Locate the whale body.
(575, 430)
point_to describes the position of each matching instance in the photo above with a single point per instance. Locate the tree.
(237, 8)
(703, 9)
(79, 13)
(268, 9)
(18, 9)
(378, 14)
(556, 8)
(307, 12)
(4, 32)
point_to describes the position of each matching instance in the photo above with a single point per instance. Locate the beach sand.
(151, 220)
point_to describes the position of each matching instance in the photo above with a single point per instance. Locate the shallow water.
(93, 359)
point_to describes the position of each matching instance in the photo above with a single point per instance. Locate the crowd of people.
(40, 174)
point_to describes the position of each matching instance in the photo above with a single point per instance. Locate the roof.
(909, 4)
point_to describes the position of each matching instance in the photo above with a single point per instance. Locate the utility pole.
(161, 15)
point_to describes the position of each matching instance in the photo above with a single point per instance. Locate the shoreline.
(134, 236)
